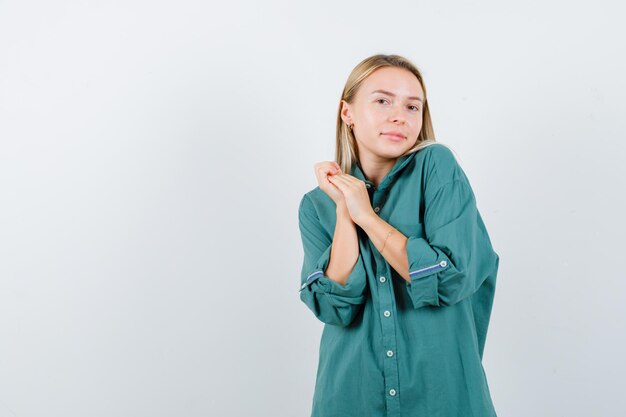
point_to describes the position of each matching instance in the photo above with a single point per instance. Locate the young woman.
(397, 260)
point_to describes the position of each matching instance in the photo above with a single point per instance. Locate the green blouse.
(389, 347)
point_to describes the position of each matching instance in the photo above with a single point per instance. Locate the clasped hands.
(348, 193)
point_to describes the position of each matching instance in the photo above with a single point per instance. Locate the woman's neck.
(375, 169)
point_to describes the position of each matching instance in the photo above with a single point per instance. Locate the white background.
(153, 155)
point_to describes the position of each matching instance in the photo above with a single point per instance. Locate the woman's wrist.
(342, 211)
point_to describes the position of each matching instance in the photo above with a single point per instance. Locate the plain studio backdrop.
(153, 155)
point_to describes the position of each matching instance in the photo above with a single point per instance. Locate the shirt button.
(376, 209)
(390, 353)
(443, 263)
(392, 392)
(383, 279)
(387, 313)
(367, 185)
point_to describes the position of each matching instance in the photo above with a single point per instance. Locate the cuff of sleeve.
(424, 264)
(318, 282)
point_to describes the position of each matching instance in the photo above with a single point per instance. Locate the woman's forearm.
(345, 248)
(394, 250)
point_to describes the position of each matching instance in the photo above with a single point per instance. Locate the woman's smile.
(394, 137)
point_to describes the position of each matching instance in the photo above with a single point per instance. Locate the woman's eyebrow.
(393, 95)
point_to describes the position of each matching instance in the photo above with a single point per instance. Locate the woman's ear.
(346, 112)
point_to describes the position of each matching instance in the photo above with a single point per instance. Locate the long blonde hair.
(346, 152)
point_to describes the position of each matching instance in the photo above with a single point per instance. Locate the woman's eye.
(380, 99)
(415, 107)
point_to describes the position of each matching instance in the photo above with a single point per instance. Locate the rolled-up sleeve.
(456, 256)
(331, 302)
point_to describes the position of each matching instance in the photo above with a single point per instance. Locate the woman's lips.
(394, 137)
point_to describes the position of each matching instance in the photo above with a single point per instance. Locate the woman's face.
(389, 102)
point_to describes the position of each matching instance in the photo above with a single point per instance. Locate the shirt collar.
(401, 162)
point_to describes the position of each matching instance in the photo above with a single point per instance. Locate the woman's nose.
(396, 115)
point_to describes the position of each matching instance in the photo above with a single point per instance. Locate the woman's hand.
(357, 199)
(324, 170)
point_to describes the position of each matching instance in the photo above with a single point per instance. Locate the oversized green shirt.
(392, 348)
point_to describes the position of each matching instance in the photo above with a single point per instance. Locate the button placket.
(388, 347)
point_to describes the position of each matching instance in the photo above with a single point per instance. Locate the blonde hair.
(346, 152)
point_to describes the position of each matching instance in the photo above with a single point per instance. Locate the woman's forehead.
(396, 82)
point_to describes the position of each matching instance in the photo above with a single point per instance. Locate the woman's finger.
(348, 180)
(337, 180)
